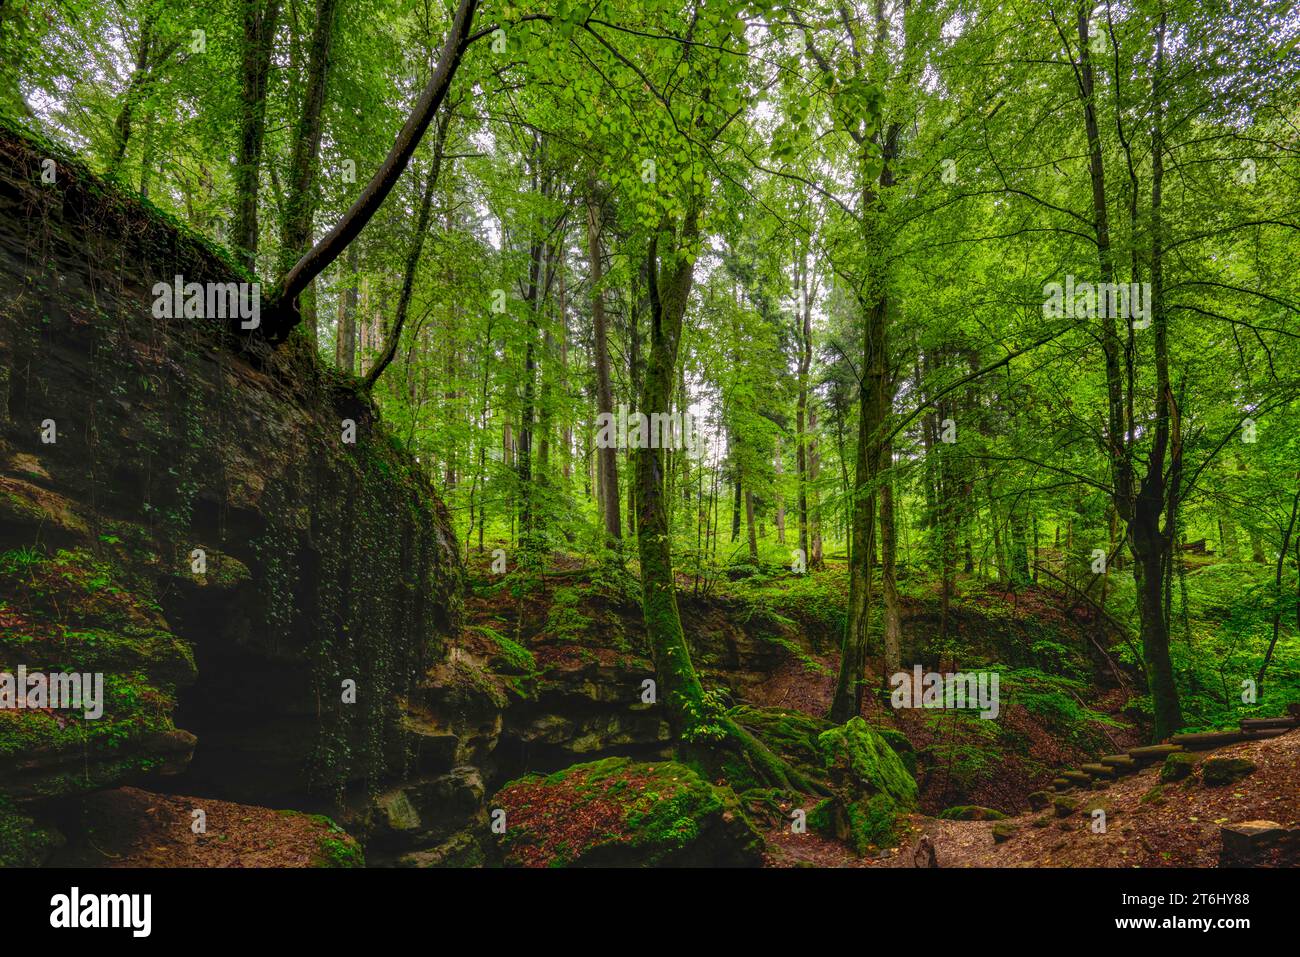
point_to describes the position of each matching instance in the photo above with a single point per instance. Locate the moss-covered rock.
(1003, 831)
(792, 735)
(618, 812)
(857, 759)
(1177, 766)
(1064, 806)
(203, 523)
(1217, 771)
(78, 613)
(872, 789)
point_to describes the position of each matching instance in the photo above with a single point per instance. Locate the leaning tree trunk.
(281, 314)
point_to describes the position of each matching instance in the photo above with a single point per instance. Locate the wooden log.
(1099, 770)
(1077, 777)
(1153, 752)
(1120, 762)
(1209, 739)
(1060, 784)
(1269, 724)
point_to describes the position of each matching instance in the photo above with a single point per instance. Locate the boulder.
(618, 812)
(199, 532)
(1177, 766)
(1064, 806)
(1218, 771)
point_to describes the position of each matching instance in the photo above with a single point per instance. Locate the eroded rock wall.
(134, 450)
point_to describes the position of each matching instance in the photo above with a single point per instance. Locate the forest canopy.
(933, 291)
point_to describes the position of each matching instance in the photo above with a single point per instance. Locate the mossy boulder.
(1038, 800)
(1177, 766)
(1101, 803)
(619, 812)
(971, 812)
(1218, 771)
(871, 786)
(1064, 806)
(856, 758)
(1003, 831)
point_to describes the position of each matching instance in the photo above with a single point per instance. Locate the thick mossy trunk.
(707, 736)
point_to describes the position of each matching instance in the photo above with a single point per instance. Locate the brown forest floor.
(1177, 826)
(129, 827)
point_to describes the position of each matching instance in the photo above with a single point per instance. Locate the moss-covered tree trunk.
(679, 685)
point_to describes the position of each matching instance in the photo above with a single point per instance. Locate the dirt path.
(1148, 824)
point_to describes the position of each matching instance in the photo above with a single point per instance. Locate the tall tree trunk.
(778, 468)
(1139, 504)
(679, 685)
(345, 344)
(300, 195)
(260, 23)
(893, 626)
(606, 457)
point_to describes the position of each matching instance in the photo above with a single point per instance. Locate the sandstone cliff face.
(135, 450)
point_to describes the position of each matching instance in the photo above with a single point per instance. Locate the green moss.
(77, 612)
(791, 734)
(514, 656)
(1155, 796)
(1177, 766)
(1216, 771)
(617, 811)
(873, 822)
(857, 756)
(336, 851)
